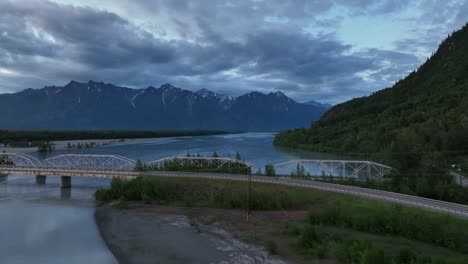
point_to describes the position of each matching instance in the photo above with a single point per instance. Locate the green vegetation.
(361, 231)
(337, 228)
(208, 193)
(419, 126)
(5, 161)
(325, 242)
(388, 219)
(197, 163)
(434, 187)
(26, 138)
(45, 146)
(269, 170)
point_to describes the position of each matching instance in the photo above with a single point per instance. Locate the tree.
(299, 172)
(215, 154)
(238, 156)
(270, 170)
(139, 166)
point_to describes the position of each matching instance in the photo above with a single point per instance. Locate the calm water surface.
(44, 224)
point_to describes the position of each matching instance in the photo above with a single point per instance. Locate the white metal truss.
(335, 168)
(90, 162)
(358, 169)
(200, 162)
(19, 160)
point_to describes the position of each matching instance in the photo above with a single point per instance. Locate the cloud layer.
(225, 46)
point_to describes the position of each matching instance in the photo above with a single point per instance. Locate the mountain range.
(98, 105)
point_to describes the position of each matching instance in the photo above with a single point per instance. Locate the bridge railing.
(90, 162)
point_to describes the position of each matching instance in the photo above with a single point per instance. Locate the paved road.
(404, 199)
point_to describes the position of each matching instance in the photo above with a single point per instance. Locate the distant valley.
(98, 105)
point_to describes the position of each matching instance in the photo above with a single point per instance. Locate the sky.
(324, 50)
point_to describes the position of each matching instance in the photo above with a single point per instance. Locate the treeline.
(419, 126)
(422, 121)
(207, 193)
(197, 163)
(26, 138)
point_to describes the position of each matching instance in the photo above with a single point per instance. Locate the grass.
(338, 228)
(210, 193)
(388, 219)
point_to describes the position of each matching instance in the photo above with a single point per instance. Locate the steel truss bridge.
(115, 166)
(357, 169)
(112, 166)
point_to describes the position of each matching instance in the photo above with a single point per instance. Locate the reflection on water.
(47, 224)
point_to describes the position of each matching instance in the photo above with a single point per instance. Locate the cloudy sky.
(325, 50)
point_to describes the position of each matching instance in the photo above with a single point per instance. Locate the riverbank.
(300, 225)
(64, 145)
(138, 233)
(23, 141)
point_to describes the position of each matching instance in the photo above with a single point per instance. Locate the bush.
(210, 193)
(271, 248)
(391, 219)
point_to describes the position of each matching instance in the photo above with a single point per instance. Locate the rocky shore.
(165, 235)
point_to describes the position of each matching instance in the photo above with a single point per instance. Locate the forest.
(29, 138)
(419, 126)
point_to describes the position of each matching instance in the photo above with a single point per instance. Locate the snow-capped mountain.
(98, 105)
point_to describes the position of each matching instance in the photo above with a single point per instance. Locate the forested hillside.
(421, 123)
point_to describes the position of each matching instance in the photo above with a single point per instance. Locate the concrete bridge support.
(65, 181)
(3, 177)
(40, 179)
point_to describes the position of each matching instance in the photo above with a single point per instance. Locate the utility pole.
(249, 194)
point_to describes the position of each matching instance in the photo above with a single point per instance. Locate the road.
(454, 209)
(420, 202)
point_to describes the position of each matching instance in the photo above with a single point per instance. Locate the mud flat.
(136, 235)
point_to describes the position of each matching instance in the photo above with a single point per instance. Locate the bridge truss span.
(358, 169)
(91, 162)
(19, 160)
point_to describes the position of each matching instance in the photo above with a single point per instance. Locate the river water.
(44, 224)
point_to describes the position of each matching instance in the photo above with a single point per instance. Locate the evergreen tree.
(139, 166)
(270, 170)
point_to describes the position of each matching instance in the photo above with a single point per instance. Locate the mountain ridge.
(99, 105)
(421, 121)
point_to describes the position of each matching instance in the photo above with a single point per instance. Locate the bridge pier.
(40, 179)
(3, 177)
(65, 181)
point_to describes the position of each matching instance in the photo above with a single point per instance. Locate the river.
(44, 224)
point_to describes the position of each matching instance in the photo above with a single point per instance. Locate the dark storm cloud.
(227, 46)
(94, 38)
